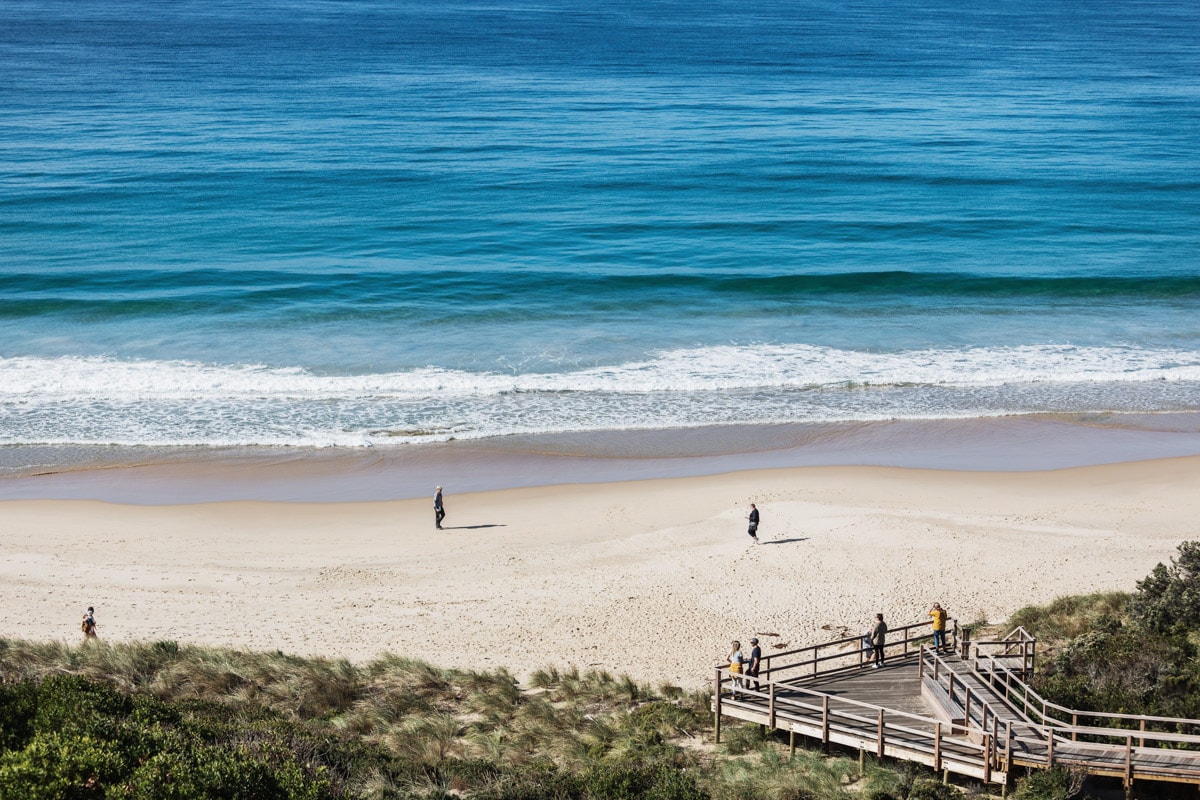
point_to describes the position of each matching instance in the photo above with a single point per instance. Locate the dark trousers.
(878, 650)
(439, 514)
(752, 680)
(939, 640)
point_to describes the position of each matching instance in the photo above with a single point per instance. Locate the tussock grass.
(415, 730)
(1070, 617)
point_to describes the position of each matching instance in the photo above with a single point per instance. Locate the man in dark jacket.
(753, 523)
(878, 640)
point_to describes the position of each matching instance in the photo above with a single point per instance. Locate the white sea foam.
(109, 401)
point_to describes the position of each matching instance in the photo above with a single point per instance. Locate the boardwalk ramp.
(970, 712)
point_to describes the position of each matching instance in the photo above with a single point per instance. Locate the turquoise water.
(360, 223)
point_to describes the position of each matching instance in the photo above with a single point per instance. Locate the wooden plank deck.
(983, 721)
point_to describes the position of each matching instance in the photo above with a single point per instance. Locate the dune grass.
(397, 727)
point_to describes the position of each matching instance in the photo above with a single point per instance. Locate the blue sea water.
(359, 222)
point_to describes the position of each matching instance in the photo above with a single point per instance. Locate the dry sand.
(649, 578)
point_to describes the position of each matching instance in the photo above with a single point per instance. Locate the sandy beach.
(650, 578)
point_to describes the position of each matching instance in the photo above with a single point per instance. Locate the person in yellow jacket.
(939, 628)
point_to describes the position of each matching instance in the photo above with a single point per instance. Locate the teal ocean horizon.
(364, 223)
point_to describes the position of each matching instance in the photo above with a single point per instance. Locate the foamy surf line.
(74, 401)
(156, 475)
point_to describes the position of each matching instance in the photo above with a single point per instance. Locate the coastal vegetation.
(1131, 653)
(173, 722)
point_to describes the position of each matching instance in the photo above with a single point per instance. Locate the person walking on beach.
(89, 624)
(878, 640)
(753, 523)
(753, 665)
(939, 628)
(439, 510)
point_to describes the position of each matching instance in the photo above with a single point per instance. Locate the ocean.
(361, 224)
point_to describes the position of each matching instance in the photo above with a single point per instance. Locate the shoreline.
(646, 577)
(153, 475)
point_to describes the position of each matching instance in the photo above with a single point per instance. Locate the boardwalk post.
(1074, 724)
(1128, 766)
(1049, 748)
(996, 738)
(1142, 740)
(1008, 746)
(879, 736)
(717, 707)
(791, 744)
(937, 746)
(771, 704)
(825, 720)
(987, 758)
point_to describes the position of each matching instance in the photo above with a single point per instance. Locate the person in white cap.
(439, 510)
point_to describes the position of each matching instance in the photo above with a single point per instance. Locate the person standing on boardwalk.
(736, 660)
(89, 624)
(878, 640)
(753, 523)
(439, 510)
(753, 665)
(939, 628)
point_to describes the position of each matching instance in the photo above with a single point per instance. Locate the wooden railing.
(889, 732)
(1091, 726)
(1011, 725)
(959, 692)
(848, 653)
(1018, 644)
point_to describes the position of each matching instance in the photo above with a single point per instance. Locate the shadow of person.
(472, 527)
(787, 541)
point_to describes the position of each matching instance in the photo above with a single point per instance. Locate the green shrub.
(927, 789)
(18, 705)
(60, 766)
(1052, 784)
(1168, 599)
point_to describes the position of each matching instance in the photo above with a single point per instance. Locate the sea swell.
(332, 294)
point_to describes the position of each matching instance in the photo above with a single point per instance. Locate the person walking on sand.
(939, 628)
(753, 523)
(89, 624)
(753, 665)
(878, 640)
(439, 510)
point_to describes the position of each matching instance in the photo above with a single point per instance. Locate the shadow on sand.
(787, 541)
(472, 527)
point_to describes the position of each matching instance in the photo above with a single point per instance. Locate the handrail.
(1039, 706)
(853, 658)
(991, 743)
(988, 718)
(782, 701)
(1018, 642)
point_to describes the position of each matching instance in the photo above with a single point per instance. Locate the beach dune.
(649, 578)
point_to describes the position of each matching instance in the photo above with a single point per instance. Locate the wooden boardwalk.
(971, 713)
